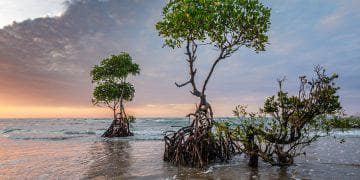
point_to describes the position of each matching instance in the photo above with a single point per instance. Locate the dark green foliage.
(228, 22)
(115, 68)
(110, 91)
(287, 124)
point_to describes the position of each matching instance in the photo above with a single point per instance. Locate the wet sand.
(73, 149)
(126, 159)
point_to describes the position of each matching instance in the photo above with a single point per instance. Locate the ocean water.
(74, 149)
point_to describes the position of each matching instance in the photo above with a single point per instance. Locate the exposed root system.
(195, 145)
(118, 128)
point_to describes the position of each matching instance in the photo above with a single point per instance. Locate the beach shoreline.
(77, 151)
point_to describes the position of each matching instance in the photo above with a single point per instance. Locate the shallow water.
(73, 148)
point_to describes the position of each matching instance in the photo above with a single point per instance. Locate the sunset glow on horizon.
(147, 111)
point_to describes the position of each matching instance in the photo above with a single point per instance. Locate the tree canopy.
(115, 68)
(110, 91)
(110, 78)
(226, 24)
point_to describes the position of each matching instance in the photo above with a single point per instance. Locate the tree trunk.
(284, 159)
(114, 111)
(253, 148)
(194, 145)
(254, 157)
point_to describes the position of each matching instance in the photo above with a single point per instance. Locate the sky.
(47, 49)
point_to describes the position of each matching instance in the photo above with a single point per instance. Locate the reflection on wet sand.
(109, 159)
(143, 159)
(127, 159)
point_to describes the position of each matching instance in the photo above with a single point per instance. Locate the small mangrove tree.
(112, 90)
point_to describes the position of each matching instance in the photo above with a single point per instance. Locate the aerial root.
(196, 146)
(118, 128)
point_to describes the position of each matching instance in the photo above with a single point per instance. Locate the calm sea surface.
(73, 149)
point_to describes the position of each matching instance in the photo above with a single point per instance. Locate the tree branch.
(183, 84)
(190, 52)
(212, 70)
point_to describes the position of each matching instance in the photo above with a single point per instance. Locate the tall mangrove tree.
(224, 26)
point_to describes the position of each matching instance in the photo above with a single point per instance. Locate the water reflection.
(127, 159)
(138, 159)
(109, 159)
(254, 173)
(283, 173)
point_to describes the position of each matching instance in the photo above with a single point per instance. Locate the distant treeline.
(346, 122)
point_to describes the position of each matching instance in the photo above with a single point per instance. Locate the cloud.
(284, 44)
(344, 12)
(18, 11)
(334, 19)
(52, 56)
(46, 61)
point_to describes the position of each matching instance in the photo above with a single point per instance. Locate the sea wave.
(5, 131)
(61, 138)
(79, 132)
(63, 129)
